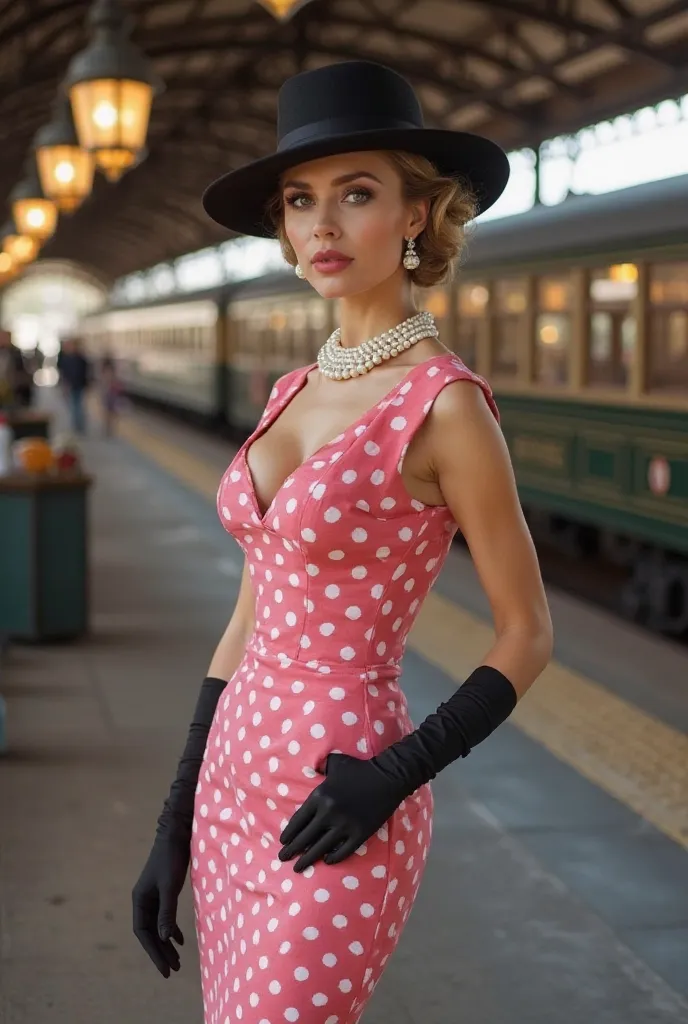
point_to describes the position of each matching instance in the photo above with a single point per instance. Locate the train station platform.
(556, 885)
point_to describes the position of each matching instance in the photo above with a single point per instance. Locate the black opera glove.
(157, 890)
(353, 802)
(358, 796)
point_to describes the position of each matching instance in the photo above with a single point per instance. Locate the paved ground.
(544, 898)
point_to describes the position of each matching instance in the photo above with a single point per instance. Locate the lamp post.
(65, 169)
(34, 215)
(110, 86)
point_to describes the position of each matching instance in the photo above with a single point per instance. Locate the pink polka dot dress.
(340, 564)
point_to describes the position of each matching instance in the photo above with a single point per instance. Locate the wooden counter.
(44, 555)
(28, 423)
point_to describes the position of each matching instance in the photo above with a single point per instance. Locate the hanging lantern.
(6, 266)
(20, 248)
(33, 214)
(283, 9)
(65, 169)
(110, 86)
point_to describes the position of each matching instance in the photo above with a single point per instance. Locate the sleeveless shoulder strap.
(283, 388)
(450, 369)
(407, 407)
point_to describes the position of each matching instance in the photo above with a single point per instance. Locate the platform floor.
(554, 890)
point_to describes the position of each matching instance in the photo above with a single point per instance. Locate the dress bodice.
(343, 557)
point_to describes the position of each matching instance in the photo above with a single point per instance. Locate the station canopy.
(519, 71)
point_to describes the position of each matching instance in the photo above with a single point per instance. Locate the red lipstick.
(330, 261)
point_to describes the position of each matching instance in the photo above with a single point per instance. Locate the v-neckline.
(280, 407)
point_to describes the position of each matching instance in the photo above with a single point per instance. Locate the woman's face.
(346, 219)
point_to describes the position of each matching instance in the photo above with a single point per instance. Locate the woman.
(312, 813)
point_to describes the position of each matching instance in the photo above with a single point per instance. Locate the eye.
(359, 194)
(296, 199)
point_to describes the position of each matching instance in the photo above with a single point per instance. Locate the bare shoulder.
(462, 424)
(461, 398)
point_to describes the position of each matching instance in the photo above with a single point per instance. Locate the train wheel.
(619, 550)
(575, 540)
(657, 594)
(675, 600)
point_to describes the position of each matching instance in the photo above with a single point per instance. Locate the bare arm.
(232, 645)
(473, 469)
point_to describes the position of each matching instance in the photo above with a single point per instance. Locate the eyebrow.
(343, 180)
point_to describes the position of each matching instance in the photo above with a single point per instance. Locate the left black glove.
(359, 796)
(155, 895)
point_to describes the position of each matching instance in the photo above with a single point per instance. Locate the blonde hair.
(441, 243)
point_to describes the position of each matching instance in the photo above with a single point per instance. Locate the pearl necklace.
(340, 363)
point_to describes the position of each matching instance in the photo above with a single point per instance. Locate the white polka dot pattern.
(340, 564)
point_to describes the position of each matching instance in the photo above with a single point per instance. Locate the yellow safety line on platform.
(198, 475)
(623, 750)
(628, 753)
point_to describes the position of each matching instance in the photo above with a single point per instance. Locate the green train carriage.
(578, 317)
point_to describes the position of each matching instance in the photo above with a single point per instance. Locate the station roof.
(519, 71)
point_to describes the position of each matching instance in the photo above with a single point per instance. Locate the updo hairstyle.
(441, 244)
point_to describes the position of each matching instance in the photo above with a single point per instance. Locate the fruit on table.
(66, 452)
(34, 455)
(66, 459)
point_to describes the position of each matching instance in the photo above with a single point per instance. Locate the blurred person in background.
(75, 376)
(15, 379)
(110, 394)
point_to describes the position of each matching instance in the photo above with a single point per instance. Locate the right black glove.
(156, 894)
(359, 795)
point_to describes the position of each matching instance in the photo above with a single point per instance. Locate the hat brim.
(239, 200)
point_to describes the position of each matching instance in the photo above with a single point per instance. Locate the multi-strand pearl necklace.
(340, 363)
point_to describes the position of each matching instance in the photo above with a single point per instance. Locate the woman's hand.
(155, 897)
(353, 802)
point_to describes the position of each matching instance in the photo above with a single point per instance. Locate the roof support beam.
(215, 118)
(628, 36)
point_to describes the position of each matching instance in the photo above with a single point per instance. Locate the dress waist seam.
(339, 667)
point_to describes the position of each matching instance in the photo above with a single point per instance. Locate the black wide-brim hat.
(346, 108)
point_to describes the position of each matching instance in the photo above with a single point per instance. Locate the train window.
(252, 326)
(613, 291)
(257, 331)
(553, 330)
(435, 301)
(299, 332)
(318, 323)
(472, 307)
(510, 324)
(275, 337)
(250, 338)
(317, 314)
(668, 348)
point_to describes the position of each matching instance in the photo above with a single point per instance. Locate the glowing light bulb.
(281, 8)
(26, 248)
(549, 334)
(624, 272)
(35, 218)
(105, 115)
(479, 295)
(64, 172)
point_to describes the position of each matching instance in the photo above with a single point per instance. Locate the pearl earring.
(299, 272)
(411, 257)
